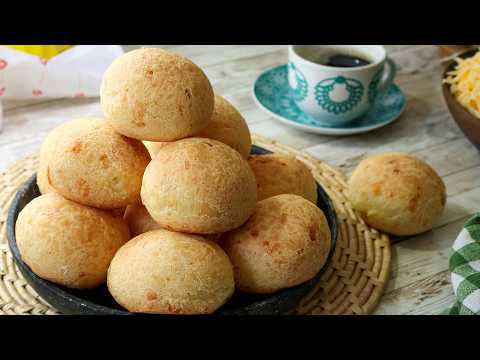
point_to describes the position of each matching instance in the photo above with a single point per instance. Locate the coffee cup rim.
(292, 50)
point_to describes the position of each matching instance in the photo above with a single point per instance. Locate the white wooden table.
(420, 281)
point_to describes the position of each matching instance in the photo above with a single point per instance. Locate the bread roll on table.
(397, 193)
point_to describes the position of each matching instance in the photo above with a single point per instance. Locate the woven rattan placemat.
(352, 284)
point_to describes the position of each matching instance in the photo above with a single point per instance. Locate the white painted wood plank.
(411, 133)
(26, 128)
(463, 181)
(207, 55)
(285, 134)
(430, 296)
(460, 206)
(392, 49)
(423, 256)
(12, 152)
(20, 124)
(133, 47)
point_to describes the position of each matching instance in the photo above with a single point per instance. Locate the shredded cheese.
(464, 83)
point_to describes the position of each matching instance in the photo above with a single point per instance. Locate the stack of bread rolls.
(161, 199)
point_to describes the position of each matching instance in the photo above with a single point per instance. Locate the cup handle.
(388, 75)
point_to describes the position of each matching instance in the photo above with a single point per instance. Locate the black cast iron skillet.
(98, 301)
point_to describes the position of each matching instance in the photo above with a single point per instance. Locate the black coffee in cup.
(336, 58)
(345, 60)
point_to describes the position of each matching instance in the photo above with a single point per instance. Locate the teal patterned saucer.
(272, 93)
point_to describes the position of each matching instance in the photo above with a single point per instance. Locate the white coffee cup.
(337, 95)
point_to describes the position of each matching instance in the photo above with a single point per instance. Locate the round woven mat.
(352, 284)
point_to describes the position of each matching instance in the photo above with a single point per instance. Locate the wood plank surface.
(420, 281)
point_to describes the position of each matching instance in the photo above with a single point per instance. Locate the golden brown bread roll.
(42, 179)
(68, 243)
(226, 125)
(154, 147)
(49, 145)
(199, 186)
(397, 193)
(154, 94)
(96, 166)
(171, 273)
(119, 212)
(281, 174)
(139, 220)
(284, 243)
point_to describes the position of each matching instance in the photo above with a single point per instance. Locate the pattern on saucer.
(300, 91)
(325, 87)
(273, 92)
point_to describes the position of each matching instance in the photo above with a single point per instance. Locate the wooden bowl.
(98, 301)
(466, 121)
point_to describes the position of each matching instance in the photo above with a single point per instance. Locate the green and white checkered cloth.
(465, 269)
